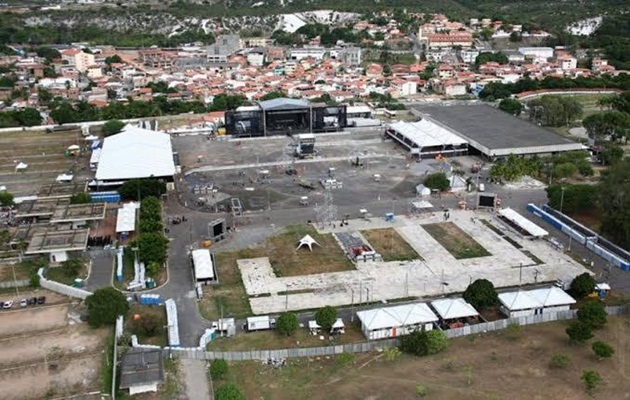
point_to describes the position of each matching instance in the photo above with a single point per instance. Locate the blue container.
(105, 197)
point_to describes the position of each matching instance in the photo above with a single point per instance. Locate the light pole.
(562, 198)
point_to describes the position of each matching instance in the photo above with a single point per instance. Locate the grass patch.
(269, 340)
(390, 245)
(286, 261)
(455, 241)
(157, 316)
(65, 276)
(23, 270)
(229, 295)
(106, 370)
(170, 389)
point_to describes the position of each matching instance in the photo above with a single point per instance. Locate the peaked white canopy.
(454, 308)
(307, 241)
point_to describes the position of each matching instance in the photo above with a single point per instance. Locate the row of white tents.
(394, 321)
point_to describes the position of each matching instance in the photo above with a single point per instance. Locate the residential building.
(315, 52)
(540, 53)
(225, 46)
(157, 58)
(442, 40)
(257, 57)
(469, 55)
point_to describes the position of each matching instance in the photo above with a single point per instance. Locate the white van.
(481, 188)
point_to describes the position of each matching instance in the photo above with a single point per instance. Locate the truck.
(261, 323)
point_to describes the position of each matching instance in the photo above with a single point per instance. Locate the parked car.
(32, 301)
(23, 303)
(8, 304)
(41, 300)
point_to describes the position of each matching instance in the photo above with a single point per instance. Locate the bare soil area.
(33, 319)
(53, 379)
(63, 342)
(492, 366)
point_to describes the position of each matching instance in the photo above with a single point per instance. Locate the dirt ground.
(78, 375)
(42, 355)
(456, 241)
(44, 154)
(58, 342)
(492, 366)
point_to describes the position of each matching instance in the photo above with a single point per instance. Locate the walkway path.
(197, 380)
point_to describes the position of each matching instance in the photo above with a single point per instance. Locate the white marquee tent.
(381, 323)
(534, 302)
(203, 266)
(307, 241)
(453, 308)
(136, 153)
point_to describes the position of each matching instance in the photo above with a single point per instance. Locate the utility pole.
(561, 197)
(520, 274)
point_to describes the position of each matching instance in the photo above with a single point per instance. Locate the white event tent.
(381, 323)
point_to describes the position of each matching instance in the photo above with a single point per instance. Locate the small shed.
(386, 322)
(142, 370)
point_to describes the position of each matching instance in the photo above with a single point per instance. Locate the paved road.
(102, 270)
(197, 380)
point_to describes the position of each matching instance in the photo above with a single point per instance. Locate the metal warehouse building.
(494, 133)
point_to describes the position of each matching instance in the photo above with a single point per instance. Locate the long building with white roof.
(426, 139)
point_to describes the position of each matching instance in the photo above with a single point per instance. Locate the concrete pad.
(438, 274)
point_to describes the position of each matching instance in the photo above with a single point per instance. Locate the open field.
(44, 154)
(390, 245)
(456, 241)
(43, 356)
(493, 366)
(268, 340)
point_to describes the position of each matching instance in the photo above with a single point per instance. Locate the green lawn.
(455, 240)
(139, 313)
(390, 245)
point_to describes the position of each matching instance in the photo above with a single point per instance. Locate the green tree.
(152, 247)
(151, 209)
(437, 341)
(487, 57)
(273, 95)
(593, 314)
(326, 317)
(229, 391)
(555, 110)
(112, 127)
(105, 305)
(115, 59)
(611, 154)
(511, 106)
(143, 188)
(80, 198)
(218, 368)
(591, 379)
(613, 124)
(415, 343)
(481, 294)
(602, 350)
(565, 170)
(579, 332)
(614, 203)
(6, 199)
(437, 180)
(582, 285)
(287, 323)
(576, 198)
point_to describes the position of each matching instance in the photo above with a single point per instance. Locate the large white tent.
(380, 323)
(136, 153)
(533, 302)
(453, 308)
(523, 223)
